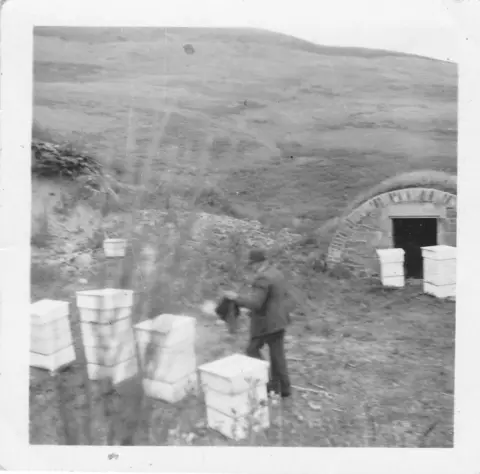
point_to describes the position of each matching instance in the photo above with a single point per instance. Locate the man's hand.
(231, 295)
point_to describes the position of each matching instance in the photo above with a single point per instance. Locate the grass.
(255, 125)
(296, 128)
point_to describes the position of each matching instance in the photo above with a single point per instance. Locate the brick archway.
(353, 222)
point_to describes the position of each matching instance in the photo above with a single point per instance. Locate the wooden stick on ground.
(318, 386)
(295, 359)
(304, 389)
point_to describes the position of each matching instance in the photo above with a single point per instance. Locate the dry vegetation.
(206, 154)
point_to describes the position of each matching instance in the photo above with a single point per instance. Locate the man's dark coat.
(270, 305)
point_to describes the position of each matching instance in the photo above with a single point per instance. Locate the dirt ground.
(373, 368)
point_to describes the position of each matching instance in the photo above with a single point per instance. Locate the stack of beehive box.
(392, 267)
(440, 270)
(51, 344)
(167, 354)
(235, 389)
(107, 333)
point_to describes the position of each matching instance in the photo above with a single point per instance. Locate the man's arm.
(257, 298)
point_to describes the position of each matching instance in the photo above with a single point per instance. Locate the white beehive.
(171, 392)
(235, 389)
(107, 334)
(51, 344)
(391, 267)
(440, 270)
(104, 305)
(114, 247)
(168, 365)
(118, 372)
(96, 334)
(112, 352)
(55, 361)
(167, 330)
(167, 354)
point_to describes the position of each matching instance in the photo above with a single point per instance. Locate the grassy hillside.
(297, 129)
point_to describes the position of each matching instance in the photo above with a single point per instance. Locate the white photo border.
(19, 17)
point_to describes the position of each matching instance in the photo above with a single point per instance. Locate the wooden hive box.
(439, 270)
(167, 354)
(391, 267)
(51, 344)
(107, 334)
(236, 398)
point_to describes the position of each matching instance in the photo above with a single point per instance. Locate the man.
(270, 305)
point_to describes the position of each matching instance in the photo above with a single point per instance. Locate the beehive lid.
(115, 241)
(391, 255)
(165, 323)
(45, 311)
(106, 298)
(234, 366)
(439, 252)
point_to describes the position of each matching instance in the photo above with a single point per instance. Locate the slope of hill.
(296, 129)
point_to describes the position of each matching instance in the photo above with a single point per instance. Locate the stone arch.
(351, 223)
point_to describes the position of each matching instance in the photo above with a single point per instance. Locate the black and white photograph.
(246, 236)
(248, 204)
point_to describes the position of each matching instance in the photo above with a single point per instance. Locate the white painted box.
(391, 267)
(392, 255)
(55, 361)
(46, 311)
(118, 373)
(98, 334)
(440, 252)
(51, 338)
(167, 354)
(167, 365)
(393, 282)
(235, 389)
(104, 316)
(392, 270)
(238, 428)
(442, 292)
(166, 330)
(50, 326)
(440, 272)
(114, 247)
(111, 354)
(240, 404)
(103, 300)
(171, 392)
(233, 374)
(439, 265)
(107, 333)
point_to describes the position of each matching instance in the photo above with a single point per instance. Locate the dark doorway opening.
(411, 234)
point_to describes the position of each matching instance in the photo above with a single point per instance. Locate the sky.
(424, 27)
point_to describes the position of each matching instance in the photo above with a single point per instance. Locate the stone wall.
(369, 227)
